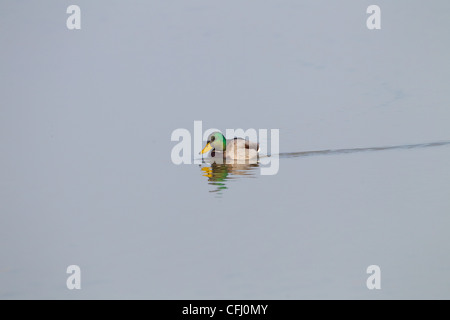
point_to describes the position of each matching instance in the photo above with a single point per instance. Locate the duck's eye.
(213, 138)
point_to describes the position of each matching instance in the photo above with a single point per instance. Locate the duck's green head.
(216, 141)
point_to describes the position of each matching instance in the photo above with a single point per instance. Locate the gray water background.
(86, 176)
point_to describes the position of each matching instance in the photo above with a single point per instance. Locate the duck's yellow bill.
(206, 148)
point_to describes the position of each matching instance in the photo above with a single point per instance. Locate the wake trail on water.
(355, 150)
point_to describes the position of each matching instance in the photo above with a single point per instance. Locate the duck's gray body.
(239, 148)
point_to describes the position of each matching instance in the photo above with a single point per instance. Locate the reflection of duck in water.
(218, 174)
(231, 149)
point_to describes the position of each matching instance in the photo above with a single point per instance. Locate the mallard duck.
(235, 149)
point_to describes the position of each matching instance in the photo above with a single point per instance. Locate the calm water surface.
(86, 176)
